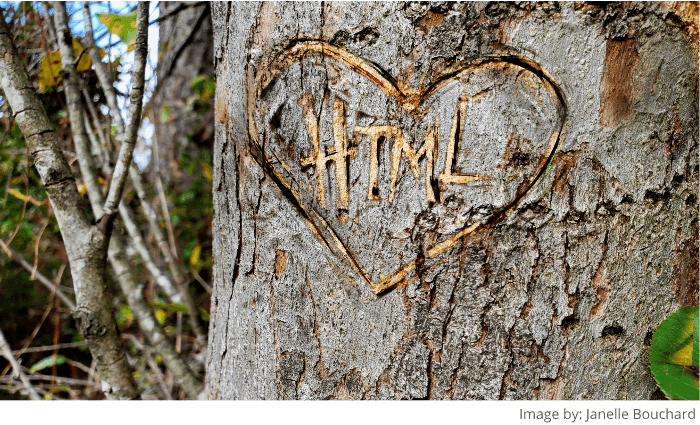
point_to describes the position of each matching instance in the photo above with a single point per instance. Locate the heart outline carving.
(410, 99)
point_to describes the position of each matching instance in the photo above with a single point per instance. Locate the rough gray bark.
(545, 260)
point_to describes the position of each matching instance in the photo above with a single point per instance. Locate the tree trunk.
(181, 120)
(464, 201)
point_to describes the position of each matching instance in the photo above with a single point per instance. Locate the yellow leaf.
(161, 316)
(50, 73)
(121, 25)
(194, 257)
(85, 63)
(82, 189)
(206, 169)
(50, 67)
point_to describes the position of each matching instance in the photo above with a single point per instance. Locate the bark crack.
(275, 331)
(316, 329)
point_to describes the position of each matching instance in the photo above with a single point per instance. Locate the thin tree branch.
(126, 152)
(98, 128)
(177, 51)
(71, 82)
(49, 24)
(140, 246)
(177, 10)
(7, 353)
(49, 348)
(38, 276)
(59, 379)
(156, 370)
(101, 70)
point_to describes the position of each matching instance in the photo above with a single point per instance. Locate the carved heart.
(389, 176)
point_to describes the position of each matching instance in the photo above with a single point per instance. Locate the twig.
(49, 348)
(101, 70)
(50, 26)
(80, 56)
(152, 364)
(177, 10)
(140, 247)
(96, 123)
(59, 379)
(96, 148)
(9, 127)
(172, 255)
(166, 214)
(201, 281)
(40, 277)
(78, 365)
(36, 248)
(7, 353)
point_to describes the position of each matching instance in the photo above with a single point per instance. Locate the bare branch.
(177, 10)
(102, 74)
(7, 353)
(37, 275)
(126, 152)
(49, 24)
(140, 246)
(49, 348)
(75, 109)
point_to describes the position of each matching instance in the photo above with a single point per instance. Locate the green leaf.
(169, 307)
(203, 86)
(203, 313)
(48, 362)
(125, 315)
(673, 355)
(123, 26)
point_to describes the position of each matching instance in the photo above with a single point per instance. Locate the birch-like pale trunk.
(564, 171)
(85, 244)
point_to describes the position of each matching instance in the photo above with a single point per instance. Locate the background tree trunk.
(185, 51)
(557, 300)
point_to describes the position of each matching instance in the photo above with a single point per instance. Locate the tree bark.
(450, 201)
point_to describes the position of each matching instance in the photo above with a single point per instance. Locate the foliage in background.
(29, 315)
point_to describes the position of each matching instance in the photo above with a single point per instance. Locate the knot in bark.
(88, 325)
